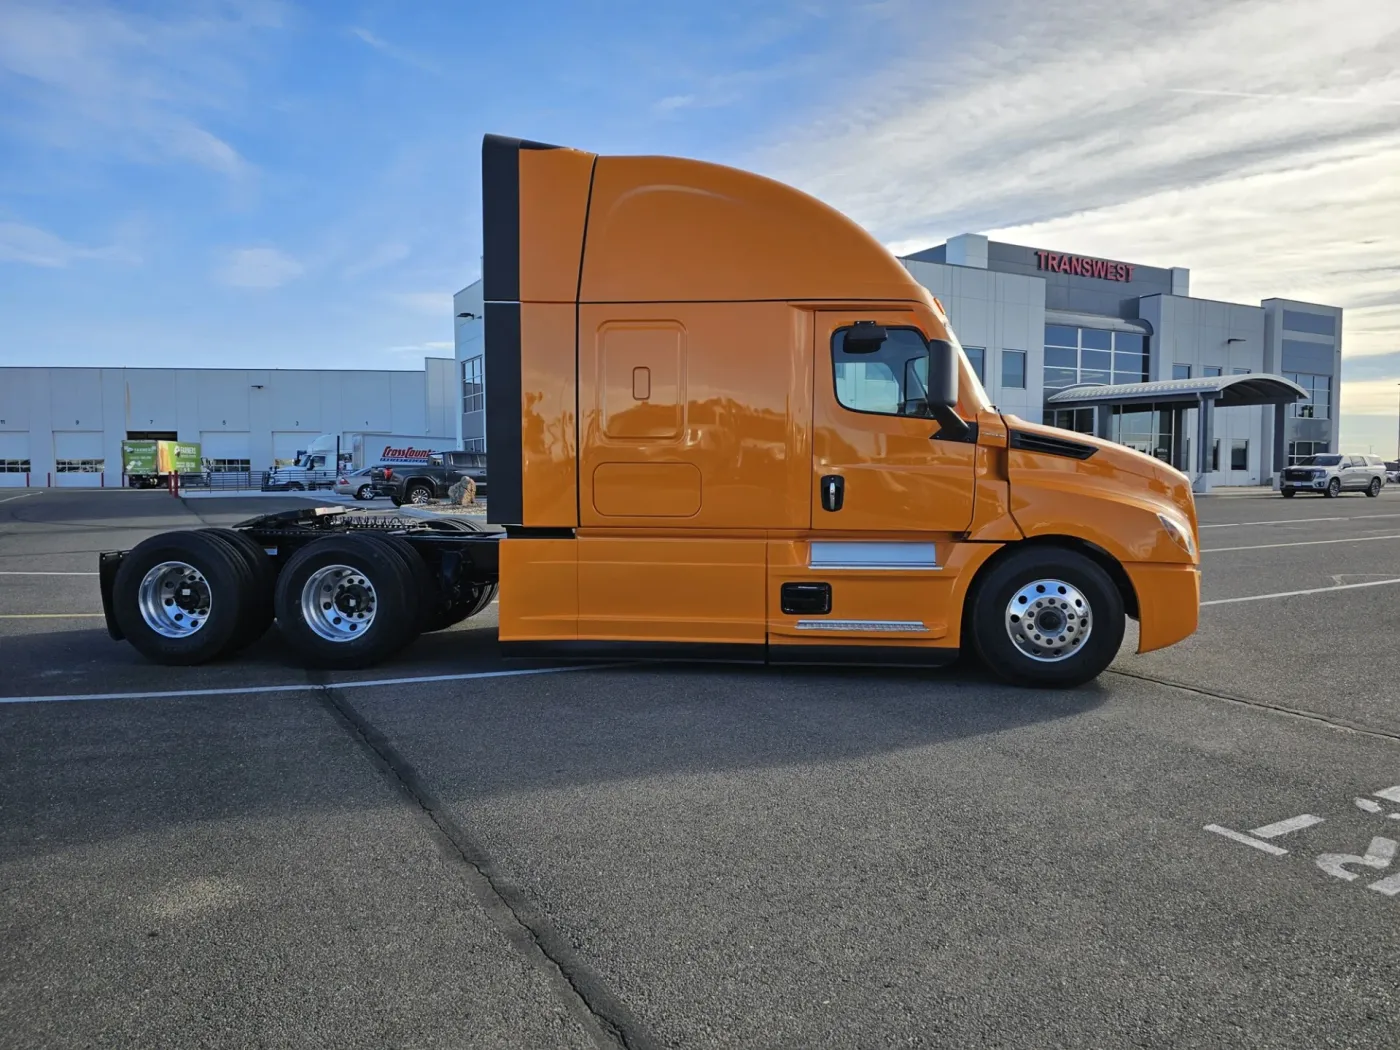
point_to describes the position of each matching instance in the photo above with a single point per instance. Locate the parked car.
(422, 482)
(1330, 474)
(1392, 471)
(357, 483)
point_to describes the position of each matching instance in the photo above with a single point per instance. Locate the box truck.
(724, 423)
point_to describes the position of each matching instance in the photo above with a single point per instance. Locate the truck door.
(877, 463)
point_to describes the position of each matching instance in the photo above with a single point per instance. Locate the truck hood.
(1161, 478)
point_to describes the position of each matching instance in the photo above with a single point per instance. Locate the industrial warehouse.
(1229, 393)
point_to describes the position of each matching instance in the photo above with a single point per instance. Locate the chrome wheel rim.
(175, 599)
(1049, 620)
(419, 496)
(338, 603)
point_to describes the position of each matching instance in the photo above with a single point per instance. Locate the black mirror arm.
(951, 426)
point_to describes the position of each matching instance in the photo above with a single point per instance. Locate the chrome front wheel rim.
(1049, 620)
(175, 599)
(338, 603)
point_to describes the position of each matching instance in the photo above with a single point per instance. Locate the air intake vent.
(1050, 446)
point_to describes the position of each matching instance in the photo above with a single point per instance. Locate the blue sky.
(281, 183)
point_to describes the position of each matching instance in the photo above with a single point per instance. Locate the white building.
(65, 426)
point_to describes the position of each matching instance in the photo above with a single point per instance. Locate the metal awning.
(1225, 391)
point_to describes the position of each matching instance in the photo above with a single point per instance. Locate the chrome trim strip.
(872, 554)
(861, 625)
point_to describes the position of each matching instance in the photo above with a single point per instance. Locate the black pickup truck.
(421, 482)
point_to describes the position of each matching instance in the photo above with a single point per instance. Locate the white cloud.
(96, 78)
(259, 268)
(672, 103)
(1254, 142)
(38, 247)
(393, 51)
(384, 255)
(436, 304)
(1371, 397)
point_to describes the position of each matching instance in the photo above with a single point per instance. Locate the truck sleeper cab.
(726, 423)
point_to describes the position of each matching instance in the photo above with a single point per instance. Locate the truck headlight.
(1179, 532)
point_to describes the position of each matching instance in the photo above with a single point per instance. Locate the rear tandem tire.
(231, 590)
(1022, 569)
(258, 615)
(395, 602)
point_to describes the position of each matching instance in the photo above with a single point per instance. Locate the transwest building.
(1226, 392)
(1122, 350)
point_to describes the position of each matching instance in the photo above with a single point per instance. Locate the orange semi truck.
(724, 423)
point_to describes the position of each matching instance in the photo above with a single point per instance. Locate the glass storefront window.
(1093, 356)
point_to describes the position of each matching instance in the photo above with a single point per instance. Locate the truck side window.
(892, 380)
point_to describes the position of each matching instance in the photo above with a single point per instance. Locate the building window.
(1215, 455)
(1312, 324)
(1013, 369)
(1181, 371)
(473, 389)
(1211, 371)
(229, 466)
(1319, 403)
(977, 356)
(474, 445)
(14, 466)
(1240, 371)
(1239, 454)
(890, 381)
(80, 466)
(1301, 450)
(1092, 357)
(1079, 420)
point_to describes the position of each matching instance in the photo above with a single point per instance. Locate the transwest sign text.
(1083, 266)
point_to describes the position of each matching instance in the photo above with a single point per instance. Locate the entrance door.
(876, 463)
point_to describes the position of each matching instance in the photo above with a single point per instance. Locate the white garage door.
(286, 444)
(226, 450)
(14, 460)
(77, 459)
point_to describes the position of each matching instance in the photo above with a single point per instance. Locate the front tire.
(346, 602)
(1374, 489)
(1289, 493)
(1334, 488)
(1047, 617)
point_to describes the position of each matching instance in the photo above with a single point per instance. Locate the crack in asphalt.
(1329, 721)
(584, 992)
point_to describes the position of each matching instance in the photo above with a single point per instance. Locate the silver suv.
(1331, 474)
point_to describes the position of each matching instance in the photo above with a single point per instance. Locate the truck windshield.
(1320, 461)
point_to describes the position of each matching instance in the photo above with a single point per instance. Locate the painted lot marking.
(1298, 521)
(1380, 851)
(22, 495)
(16, 572)
(1300, 543)
(48, 616)
(1298, 594)
(301, 687)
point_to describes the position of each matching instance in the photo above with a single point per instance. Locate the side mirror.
(943, 392)
(942, 373)
(864, 337)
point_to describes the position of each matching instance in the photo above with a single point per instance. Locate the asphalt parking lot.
(1197, 850)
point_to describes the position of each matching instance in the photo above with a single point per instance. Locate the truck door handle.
(833, 492)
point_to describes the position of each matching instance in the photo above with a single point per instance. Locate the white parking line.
(301, 687)
(1296, 594)
(1300, 543)
(1298, 521)
(16, 572)
(22, 495)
